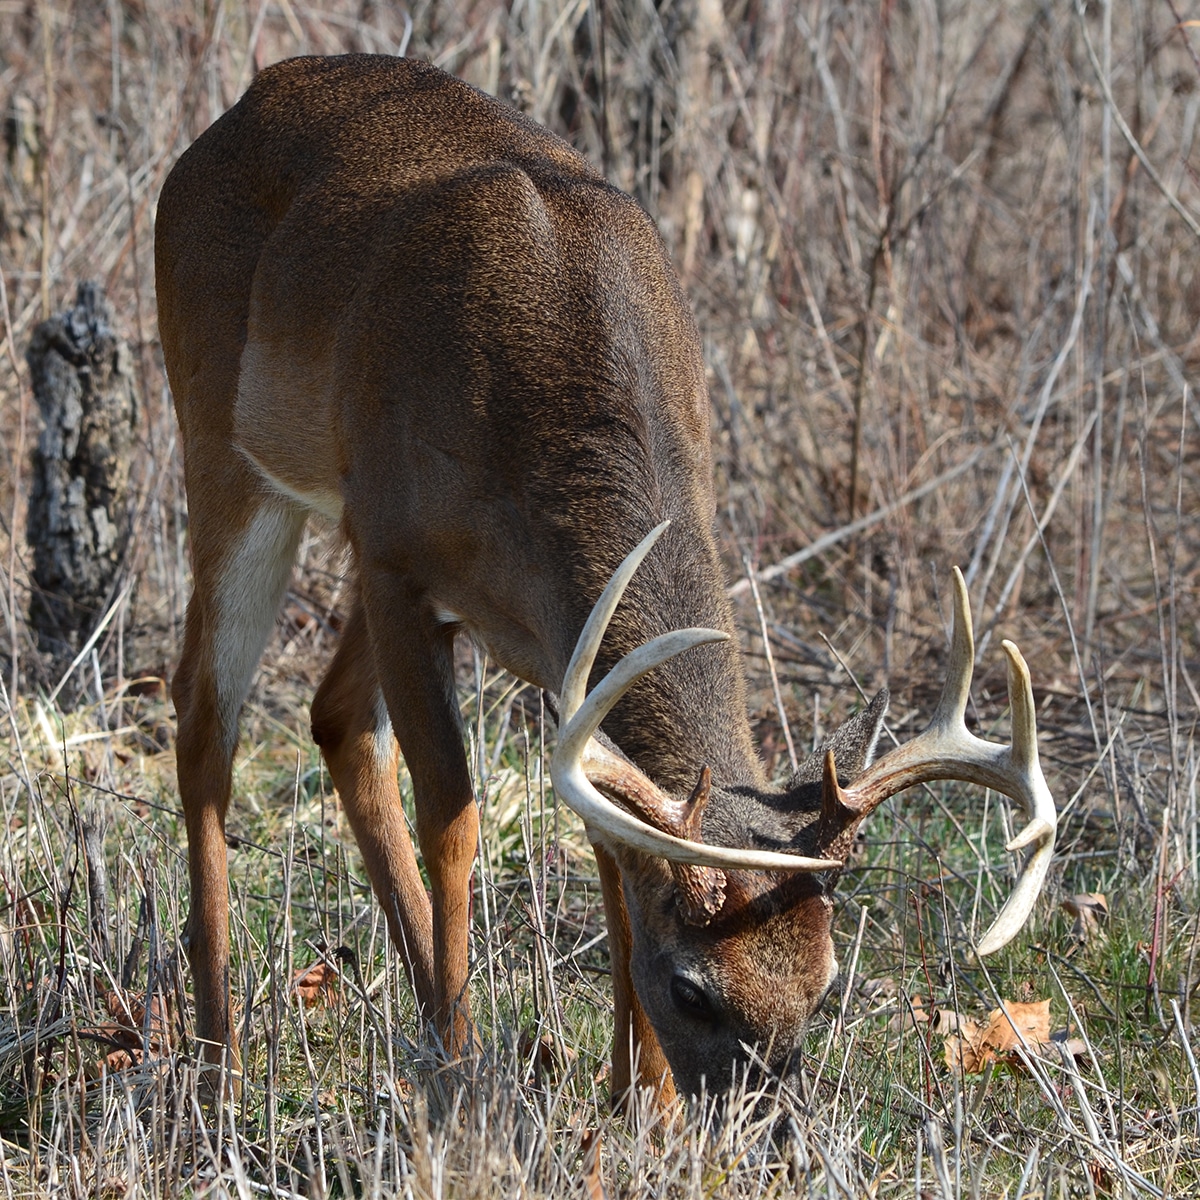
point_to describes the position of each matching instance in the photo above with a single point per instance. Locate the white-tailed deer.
(388, 298)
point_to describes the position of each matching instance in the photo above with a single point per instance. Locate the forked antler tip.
(1042, 827)
(948, 750)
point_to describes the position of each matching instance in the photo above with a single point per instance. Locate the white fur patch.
(327, 504)
(249, 595)
(873, 748)
(384, 737)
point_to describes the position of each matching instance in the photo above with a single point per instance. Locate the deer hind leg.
(414, 662)
(350, 723)
(239, 580)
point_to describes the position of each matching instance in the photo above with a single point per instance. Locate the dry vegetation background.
(945, 262)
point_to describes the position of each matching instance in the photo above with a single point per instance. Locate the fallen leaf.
(975, 1046)
(130, 1025)
(1090, 910)
(1007, 1026)
(314, 983)
(130, 1032)
(545, 1055)
(119, 1060)
(910, 1015)
(1076, 1047)
(593, 1185)
(962, 1049)
(946, 1021)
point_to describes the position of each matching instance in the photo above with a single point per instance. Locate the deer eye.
(689, 999)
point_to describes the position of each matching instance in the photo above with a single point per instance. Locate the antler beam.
(946, 750)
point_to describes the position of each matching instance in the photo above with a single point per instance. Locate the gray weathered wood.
(79, 511)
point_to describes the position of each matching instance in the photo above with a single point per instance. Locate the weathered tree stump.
(79, 511)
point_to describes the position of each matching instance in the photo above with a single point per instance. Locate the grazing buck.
(388, 298)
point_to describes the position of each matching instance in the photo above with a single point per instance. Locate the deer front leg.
(413, 655)
(635, 1045)
(350, 723)
(205, 763)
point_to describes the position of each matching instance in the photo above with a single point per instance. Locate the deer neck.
(690, 712)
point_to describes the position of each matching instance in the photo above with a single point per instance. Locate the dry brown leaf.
(128, 1010)
(547, 1057)
(1009, 1024)
(313, 984)
(910, 1015)
(593, 1184)
(130, 1031)
(946, 1021)
(974, 1046)
(962, 1048)
(1090, 910)
(118, 1060)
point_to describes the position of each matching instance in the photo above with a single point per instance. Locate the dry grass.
(924, 243)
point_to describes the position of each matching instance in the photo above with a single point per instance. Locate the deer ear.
(852, 743)
(699, 891)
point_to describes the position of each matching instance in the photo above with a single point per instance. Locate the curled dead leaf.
(1076, 1047)
(313, 984)
(976, 1045)
(946, 1021)
(1090, 910)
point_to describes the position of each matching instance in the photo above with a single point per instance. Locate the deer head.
(730, 890)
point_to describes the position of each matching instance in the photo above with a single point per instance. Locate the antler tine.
(1024, 752)
(580, 716)
(951, 711)
(1043, 819)
(574, 686)
(947, 750)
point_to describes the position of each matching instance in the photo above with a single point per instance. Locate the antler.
(577, 756)
(946, 750)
